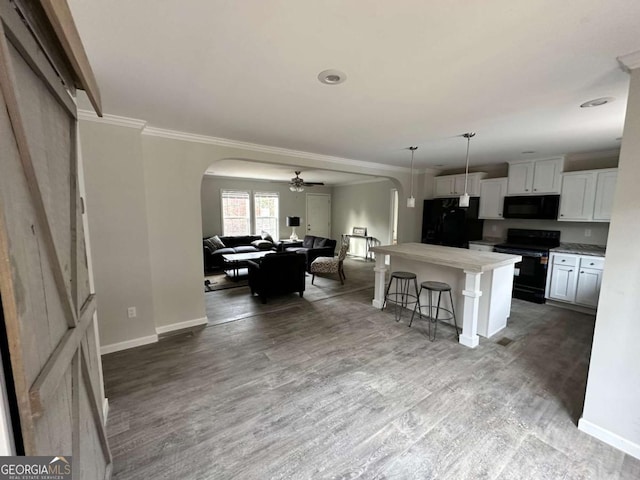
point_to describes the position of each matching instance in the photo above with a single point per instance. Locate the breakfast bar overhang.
(481, 282)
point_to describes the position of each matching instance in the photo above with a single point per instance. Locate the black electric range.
(530, 275)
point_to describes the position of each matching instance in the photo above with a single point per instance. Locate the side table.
(282, 244)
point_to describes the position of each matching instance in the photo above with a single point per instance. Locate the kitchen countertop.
(468, 260)
(581, 249)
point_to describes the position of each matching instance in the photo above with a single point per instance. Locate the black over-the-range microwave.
(544, 207)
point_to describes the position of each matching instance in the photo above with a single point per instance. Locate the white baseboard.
(105, 410)
(196, 322)
(136, 342)
(610, 438)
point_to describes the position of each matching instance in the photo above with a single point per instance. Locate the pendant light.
(411, 201)
(464, 199)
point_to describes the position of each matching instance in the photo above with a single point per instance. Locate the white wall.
(362, 205)
(612, 402)
(292, 204)
(144, 199)
(117, 215)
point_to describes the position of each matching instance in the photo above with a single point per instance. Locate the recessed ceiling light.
(332, 77)
(597, 102)
(528, 152)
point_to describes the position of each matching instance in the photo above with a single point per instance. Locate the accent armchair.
(277, 274)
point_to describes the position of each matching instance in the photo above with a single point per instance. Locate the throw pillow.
(217, 242)
(266, 236)
(262, 244)
(209, 244)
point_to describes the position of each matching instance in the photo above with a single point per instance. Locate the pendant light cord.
(413, 149)
(466, 171)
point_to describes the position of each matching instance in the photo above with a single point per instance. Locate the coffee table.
(233, 261)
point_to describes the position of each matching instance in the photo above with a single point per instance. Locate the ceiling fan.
(297, 183)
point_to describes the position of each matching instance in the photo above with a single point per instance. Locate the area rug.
(222, 281)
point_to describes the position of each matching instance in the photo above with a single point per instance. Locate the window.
(266, 209)
(236, 215)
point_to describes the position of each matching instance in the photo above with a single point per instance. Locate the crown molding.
(361, 182)
(629, 62)
(111, 119)
(255, 147)
(224, 142)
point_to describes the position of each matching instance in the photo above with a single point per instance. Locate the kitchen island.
(481, 282)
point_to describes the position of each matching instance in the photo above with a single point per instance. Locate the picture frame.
(359, 231)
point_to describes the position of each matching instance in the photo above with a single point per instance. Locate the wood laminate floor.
(327, 387)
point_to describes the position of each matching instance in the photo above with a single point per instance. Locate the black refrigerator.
(445, 223)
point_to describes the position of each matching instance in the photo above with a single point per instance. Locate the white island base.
(481, 283)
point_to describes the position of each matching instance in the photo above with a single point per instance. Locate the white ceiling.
(419, 73)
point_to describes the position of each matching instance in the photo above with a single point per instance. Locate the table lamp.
(293, 222)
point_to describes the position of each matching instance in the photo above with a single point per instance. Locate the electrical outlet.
(494, 228)
(131, 312)
(587, 232)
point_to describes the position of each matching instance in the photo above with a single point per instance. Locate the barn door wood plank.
(12, 322)
(24, 42)
(7, 86)
(62, 22)
(75, 408)
(96, 408)
(49, 378)
(59, 400)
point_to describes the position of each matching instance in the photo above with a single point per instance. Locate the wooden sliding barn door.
(46, 300)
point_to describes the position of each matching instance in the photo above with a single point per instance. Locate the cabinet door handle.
(535, 189)
(562, 214)
(563, 260)
(571, 270)
(526, 189)
(591, 263)
(582, 272)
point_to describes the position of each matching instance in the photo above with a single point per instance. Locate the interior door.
(47, 304)
(319, 214)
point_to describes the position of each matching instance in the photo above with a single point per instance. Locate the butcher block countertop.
(468, 260)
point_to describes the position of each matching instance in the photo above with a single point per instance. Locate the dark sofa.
(276, 274)
(314, 247)
(233, 244)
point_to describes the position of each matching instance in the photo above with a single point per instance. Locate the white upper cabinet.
(535, 177)
(444, 186)
(520, 180)
(492, 194)
(453, 185)
(605, 189)
(587, 196)
(576, 199)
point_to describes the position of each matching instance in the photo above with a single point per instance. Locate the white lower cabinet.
(480, 247)
(588, 288)
(575, 279)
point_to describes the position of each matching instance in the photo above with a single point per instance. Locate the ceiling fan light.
(411, 202)
(464, 200)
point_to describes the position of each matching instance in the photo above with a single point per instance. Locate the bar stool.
(431, 288)
(403, 284)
